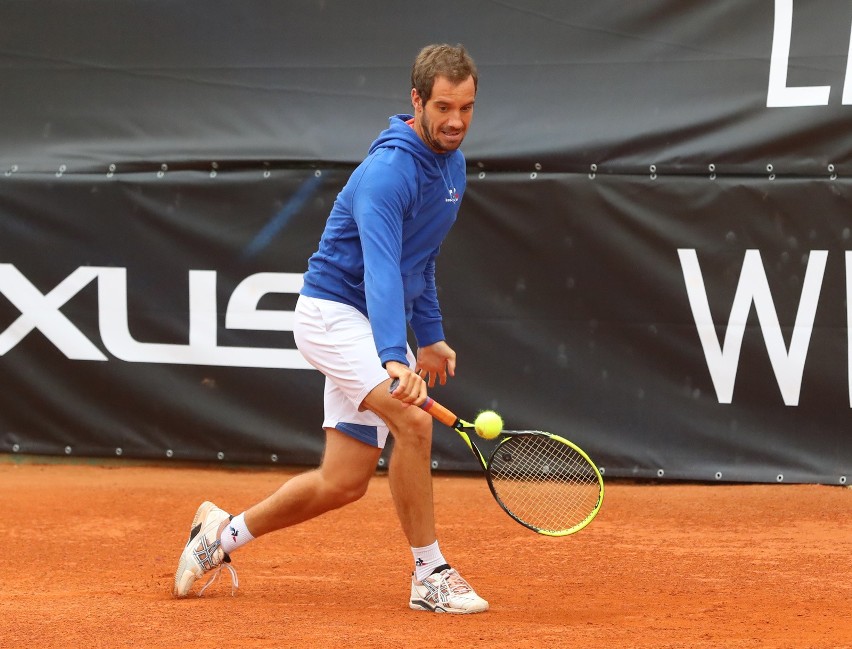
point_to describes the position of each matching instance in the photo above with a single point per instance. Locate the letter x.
(42, 312)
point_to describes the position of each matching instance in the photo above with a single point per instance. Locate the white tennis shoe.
(445, 591)
(203, 552)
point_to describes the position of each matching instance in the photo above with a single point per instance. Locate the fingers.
(448, 371)
(436, 363)
(440, 374)
(410, 389)
(432, 377)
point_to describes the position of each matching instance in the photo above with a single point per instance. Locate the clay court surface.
(90, 553)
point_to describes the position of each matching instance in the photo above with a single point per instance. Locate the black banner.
(651, 257)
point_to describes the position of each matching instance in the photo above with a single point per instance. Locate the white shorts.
(337, 340)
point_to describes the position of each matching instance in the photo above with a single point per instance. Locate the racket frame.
(506, 436)
(463, 428)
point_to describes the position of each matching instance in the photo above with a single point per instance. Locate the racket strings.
(544, 483)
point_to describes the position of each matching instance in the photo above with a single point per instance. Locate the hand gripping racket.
(543, 481)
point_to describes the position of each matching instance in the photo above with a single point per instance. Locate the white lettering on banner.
(42, 312)
(779, 94)
(849, 319)
(753, 287)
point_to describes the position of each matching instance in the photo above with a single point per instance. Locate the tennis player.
(371, 278)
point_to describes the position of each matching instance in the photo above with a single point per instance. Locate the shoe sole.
(181, 572)
(423, 605)
(418, 605)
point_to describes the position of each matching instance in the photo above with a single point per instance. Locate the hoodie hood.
(401, 135)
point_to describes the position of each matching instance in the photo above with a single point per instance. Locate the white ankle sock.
(236, 534)
(426, 559)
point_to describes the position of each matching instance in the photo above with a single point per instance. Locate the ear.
(416, 101)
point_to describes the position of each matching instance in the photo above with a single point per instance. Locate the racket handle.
(434, 408)
(440, 413)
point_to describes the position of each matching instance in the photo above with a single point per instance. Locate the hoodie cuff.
(393, 354)
(429, 333)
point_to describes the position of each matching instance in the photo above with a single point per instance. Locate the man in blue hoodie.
(373, 277)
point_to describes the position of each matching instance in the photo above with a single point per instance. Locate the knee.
(342, 490)
(414, 429)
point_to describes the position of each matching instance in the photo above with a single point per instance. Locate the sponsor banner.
(674, 327)
(153, 314)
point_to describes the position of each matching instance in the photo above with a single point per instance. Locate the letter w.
(753, 287)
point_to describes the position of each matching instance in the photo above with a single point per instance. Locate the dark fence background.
(650, 258)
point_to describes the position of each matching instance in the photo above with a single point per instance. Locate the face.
(443, 121)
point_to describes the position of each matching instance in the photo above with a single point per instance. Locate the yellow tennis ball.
(488, 424)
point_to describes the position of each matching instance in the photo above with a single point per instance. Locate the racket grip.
(434, 408)
(439, 412)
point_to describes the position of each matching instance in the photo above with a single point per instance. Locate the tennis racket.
(543, 481)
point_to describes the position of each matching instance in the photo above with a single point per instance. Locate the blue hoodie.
(378, 250)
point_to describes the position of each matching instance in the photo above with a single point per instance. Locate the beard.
(432, 140)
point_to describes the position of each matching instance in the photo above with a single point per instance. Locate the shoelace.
(235, 581)
(456, 583)
(449, 583)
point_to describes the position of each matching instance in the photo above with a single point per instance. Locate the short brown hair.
(441, 60)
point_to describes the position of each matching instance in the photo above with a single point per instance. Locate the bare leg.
(346, 470)
(410, 477)
(342, 478)
(410, 473)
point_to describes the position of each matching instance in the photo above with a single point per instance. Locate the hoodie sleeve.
(383, 196)
(426, 318)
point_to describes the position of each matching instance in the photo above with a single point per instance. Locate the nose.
(454, 120)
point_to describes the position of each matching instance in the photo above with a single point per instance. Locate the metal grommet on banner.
(832, 172)
(712, 169)
(169, 452)
(163, 169)
(653, 170)
(220, 455)
(11, 170)
(266, 172)
(62, 170)
(274, 457)
(593, 170)
(779, 477)
(214, 169)
(481, 175)
(119, 451)
(771, 171)
(318, 173)
(67, 450)
(842, 478)
(17, 447)
(718, 475)
(110, 171)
